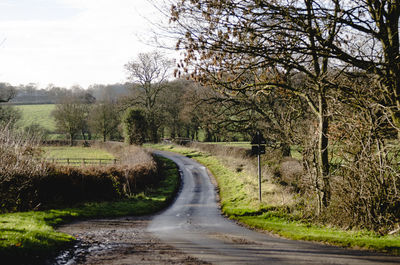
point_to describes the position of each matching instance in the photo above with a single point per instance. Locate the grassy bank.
(30, 236)
(239, 203)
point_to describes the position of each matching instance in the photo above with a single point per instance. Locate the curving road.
(194, 225)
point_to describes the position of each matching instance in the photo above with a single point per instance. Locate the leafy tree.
(150, 71)
(134, 126)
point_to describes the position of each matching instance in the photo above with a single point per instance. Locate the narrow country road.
(194, 225)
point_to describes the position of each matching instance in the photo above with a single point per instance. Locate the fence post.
(67, 161)
(115, 161)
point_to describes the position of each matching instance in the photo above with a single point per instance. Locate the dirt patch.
(118, 241)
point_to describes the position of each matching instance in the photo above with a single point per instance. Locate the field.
(75, 152)
(37, 114)
(75, 155)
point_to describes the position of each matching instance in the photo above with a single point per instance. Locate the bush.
(134, 126)
(19, 166)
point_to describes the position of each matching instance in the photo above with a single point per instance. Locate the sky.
(71, 42)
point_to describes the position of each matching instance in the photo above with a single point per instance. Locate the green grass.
(37, 114)
(236, 144)
(237, 204)
(31, 235)
(75, 152)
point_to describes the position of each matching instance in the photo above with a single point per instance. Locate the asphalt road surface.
(194, 225)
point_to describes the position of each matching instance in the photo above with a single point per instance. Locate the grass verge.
(30, 236)
(235, 203)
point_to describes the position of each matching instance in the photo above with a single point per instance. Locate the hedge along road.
(194, 225)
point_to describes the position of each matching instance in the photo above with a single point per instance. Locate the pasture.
(37, 114)
(75, 154)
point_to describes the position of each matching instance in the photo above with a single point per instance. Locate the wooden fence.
(83, 161)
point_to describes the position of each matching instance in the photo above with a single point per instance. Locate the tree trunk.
(71, 139)
(323, 160)
(285, 147)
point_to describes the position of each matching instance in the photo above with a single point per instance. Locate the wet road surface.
(193, 224)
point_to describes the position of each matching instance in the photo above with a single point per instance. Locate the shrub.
(19, 166)
(134, 126)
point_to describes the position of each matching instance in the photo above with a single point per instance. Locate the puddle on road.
(78, 253)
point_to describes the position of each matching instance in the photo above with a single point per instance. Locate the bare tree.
(71, 116)
(257, 46)
(151, 72)
(104, 119)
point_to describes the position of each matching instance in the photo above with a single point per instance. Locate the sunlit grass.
(236, 144)
(75, 152)
(37, 114)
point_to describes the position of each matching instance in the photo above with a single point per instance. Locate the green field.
(37, 114)
(75, 152)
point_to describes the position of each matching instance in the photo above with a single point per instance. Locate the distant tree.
(36, 130)
(172, 104)
(7, 92)
(150, 71)
(104, 119)
(134, 126)
(71, 117)
(9, 116)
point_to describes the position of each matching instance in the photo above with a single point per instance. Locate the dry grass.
(239, 159)
(17, 151)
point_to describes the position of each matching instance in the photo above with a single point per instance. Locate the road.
(194, 225)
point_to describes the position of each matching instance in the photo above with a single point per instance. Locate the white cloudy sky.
(68, 42)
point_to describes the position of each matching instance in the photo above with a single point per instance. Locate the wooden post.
(259, 176)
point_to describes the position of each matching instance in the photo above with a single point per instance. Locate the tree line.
(148, 107)
(155, 107)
